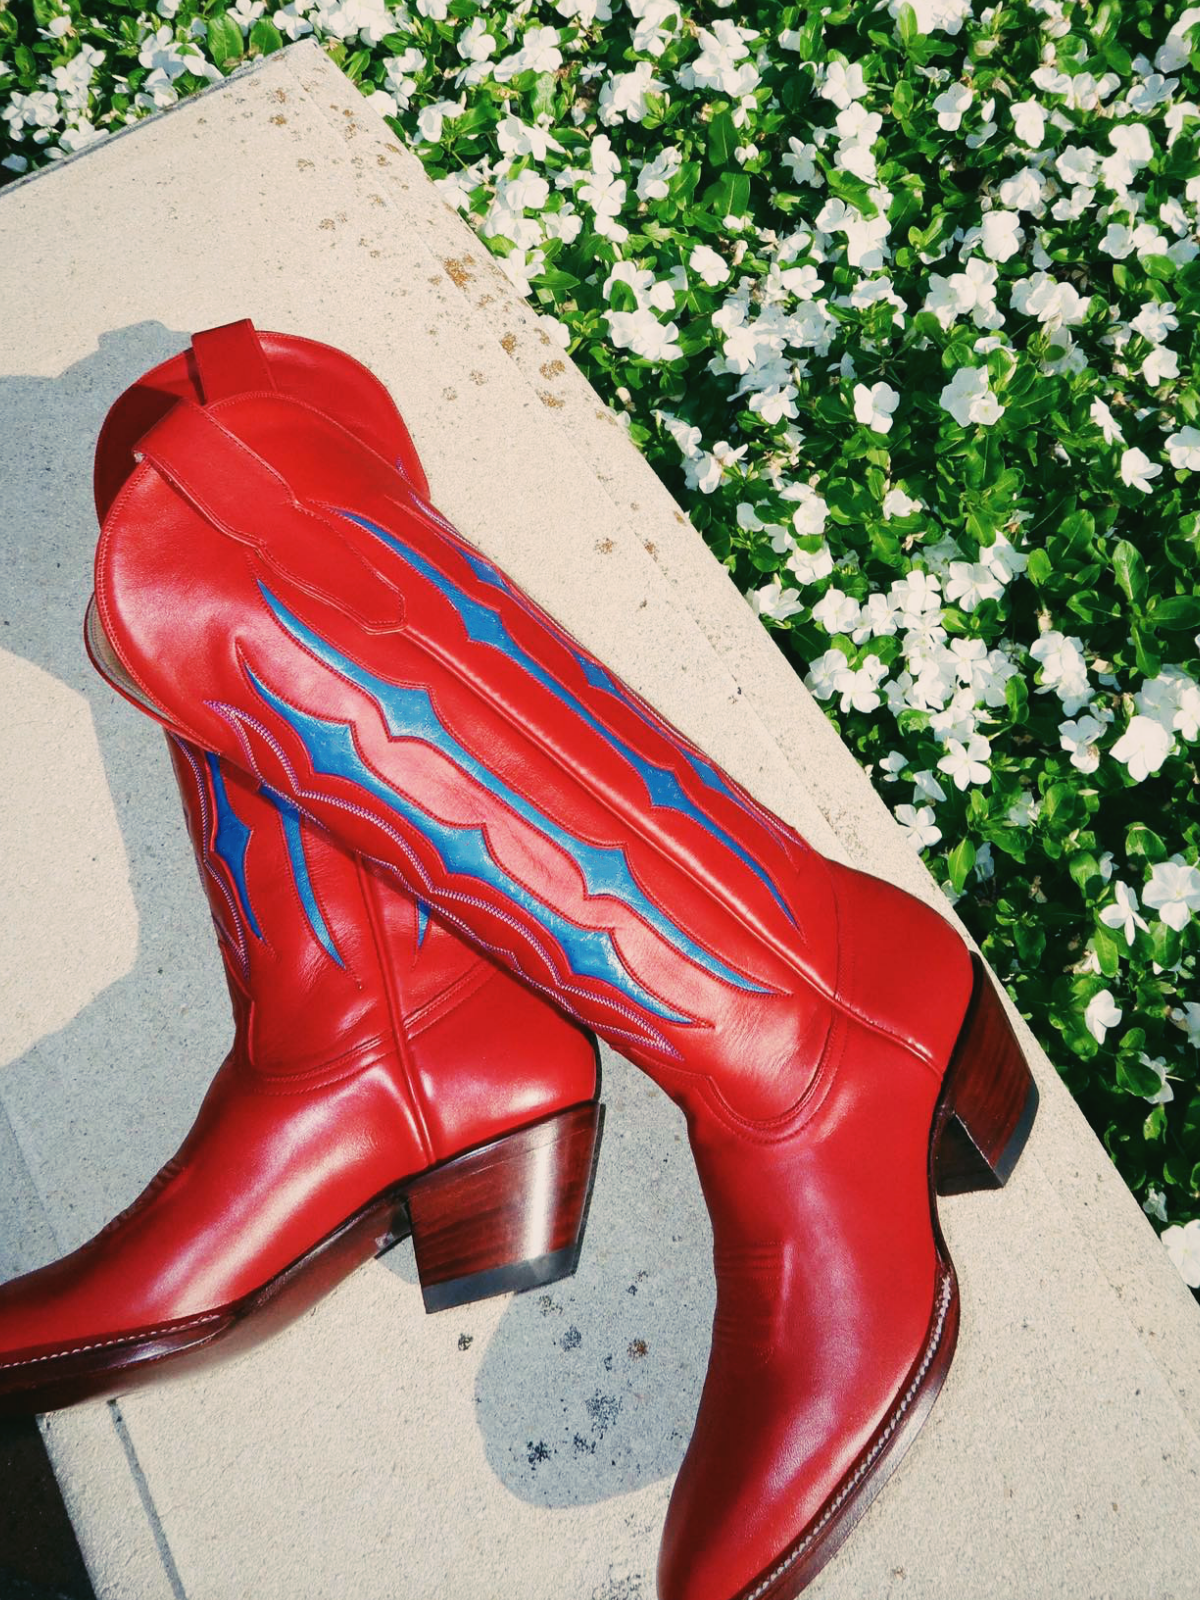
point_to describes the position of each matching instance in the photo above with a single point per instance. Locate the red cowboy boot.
(371, 1044)
(272, 590)
(370, 1092)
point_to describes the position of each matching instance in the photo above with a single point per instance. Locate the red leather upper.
(286, 598)
(342, 1079)
(370, 1041)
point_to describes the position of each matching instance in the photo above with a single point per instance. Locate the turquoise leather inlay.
(409, 714)
(231, 841)
(294, 839)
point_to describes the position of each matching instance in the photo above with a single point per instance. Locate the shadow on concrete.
(587, 1390)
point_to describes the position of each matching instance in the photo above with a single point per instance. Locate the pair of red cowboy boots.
(391, 760)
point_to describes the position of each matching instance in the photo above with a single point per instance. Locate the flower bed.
(899, 300)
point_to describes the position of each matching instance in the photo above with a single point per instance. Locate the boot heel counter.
(902, 964)
(495, 1057)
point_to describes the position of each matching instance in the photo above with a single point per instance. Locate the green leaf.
(852, 190)
(1131, 571)
(1039, 569)
(960, 861)
(1016, 697)
(1141, 842)
(1176, 611)
(729, 196)
(722, 139)
(1108, 950)
(265, 37)
(224, 40)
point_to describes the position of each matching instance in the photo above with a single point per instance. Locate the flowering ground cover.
(900, 301)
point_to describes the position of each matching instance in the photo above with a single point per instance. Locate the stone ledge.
(369, 1450)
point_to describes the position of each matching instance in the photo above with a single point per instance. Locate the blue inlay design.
(463, 850)
(708, 774)
(486, 626)
(409, 714)
(294, 839)
(231, 841)
(422, 922)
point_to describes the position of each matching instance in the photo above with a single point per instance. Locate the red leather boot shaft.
(370, 1044)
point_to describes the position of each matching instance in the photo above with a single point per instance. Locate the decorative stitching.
(647, 1035)
(866, 1463)
(127, 1338)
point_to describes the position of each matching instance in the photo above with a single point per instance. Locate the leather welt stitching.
(126, 1338)
(865, 1465)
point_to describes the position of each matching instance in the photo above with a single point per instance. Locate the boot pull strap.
(230, 360)
(233, 488)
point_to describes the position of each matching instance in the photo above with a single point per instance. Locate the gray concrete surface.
(520, 1447)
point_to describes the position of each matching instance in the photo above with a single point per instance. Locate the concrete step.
(520, 1446)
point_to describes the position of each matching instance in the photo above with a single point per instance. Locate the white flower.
(811, 510)
(859, 685)
(892, 765)
(1076, 165)
(721, 64)
(1156, 320)
(707, 264)
(1132, 151)
(1184, 449)
(1123, 913)
(1080, 739)
(1001, 234)
(966, 764)
(656, 175)
(1101, 1014)
(1029, 122)
(1143, 747)
(836, 611)
(919, 826)
(1172, 699)
(1054, 304)
(655, 21)
(970, 583)
(864, 236)
(774, 601)
(431, 118)
(1155, 1204)
(873, 407)
(968, 399)
(1173, 891)
(972, 290)
(951, 104)
(1137, 469)
(1064, 670)
(1160, 366)
(517, 138)
(1164, 1093)
(801, 162)
(926, 787)
(843, 84)
(933, 16)
(643, 334)
(624, 96)
(539, 52)
(1188, 1018)
(1183, 1247)
(898, 504)
(810, 566)
(1106, 422)
(825, 673)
